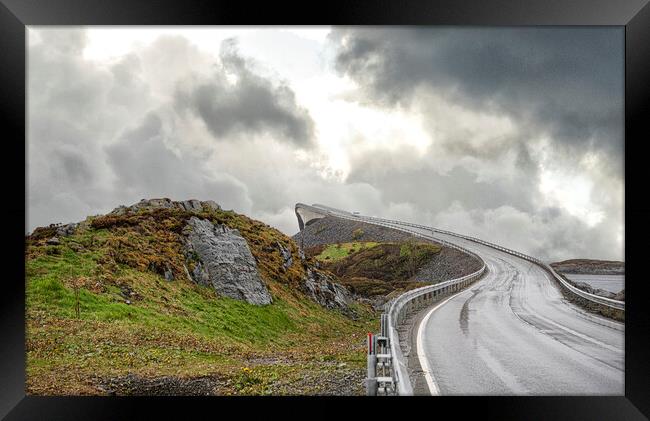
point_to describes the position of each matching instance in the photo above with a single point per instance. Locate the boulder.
(191, 205)
(225, 262)
(66, 230)
(320, 288)
(211, 204)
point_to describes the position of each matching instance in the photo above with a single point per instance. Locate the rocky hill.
(184, 297)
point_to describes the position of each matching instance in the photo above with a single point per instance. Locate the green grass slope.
(98, 308)
(333, 252)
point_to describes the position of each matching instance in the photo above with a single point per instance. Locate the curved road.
(513, 333)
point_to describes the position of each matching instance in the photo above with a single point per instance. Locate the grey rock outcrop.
(66, 230)
(225, 262)
(191, 205)
(325, 292)
(286, 256)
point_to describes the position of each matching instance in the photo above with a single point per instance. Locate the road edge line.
(424, 364)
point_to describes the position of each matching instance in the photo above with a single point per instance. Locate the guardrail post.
(371, 380)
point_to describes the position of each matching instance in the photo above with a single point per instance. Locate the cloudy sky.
(514, 135)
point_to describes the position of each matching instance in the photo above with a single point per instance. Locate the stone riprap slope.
(332, 230)
(447, 264)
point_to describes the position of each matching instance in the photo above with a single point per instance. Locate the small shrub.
(357, 233)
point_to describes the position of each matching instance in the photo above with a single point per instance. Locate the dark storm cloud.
(252, 104)
(562, 84)
(566, 82)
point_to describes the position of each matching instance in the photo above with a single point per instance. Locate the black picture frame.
(15, 15)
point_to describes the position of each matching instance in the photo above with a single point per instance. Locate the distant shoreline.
(590, 267)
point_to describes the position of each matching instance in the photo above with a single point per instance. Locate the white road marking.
(424, 363)
(570, 331)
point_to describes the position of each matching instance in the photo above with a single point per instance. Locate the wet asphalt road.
(512, 333)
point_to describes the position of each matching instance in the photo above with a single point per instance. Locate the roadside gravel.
(338, 380)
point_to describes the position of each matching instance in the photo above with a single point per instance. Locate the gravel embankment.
(448, 264)
(343, 382)
(331, 230)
